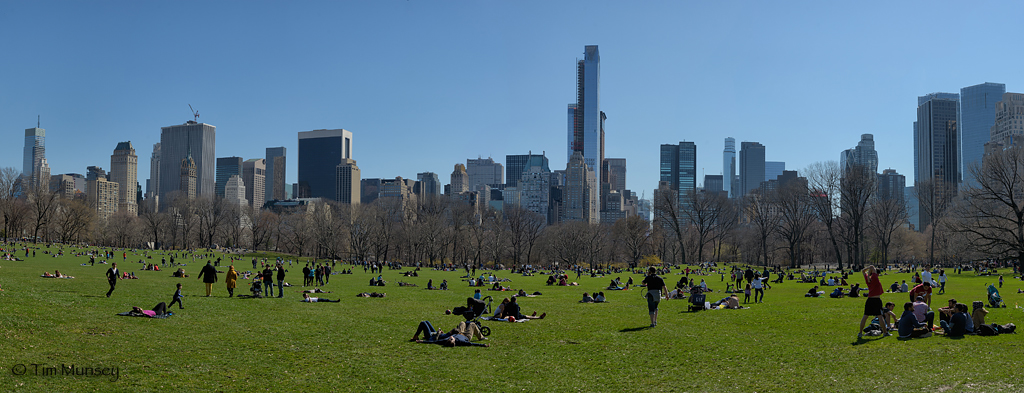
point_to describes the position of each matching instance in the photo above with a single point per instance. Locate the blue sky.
(425, 85)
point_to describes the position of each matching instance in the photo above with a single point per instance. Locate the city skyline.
(661, 81)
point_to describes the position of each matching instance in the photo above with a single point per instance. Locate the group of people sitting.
(442, 287)
(180, 273)
(917, 320)
(128, 276)
(509, 309)
(597, 298)
(616, 284)
(377, 282)
(840, 292)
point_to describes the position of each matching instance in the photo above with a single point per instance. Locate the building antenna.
(37, 121)
(195, 113)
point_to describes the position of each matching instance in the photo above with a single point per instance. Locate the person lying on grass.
(371, 294)
(458, 337)
(730, 302)
(599, 298)
(587, 298)
(307, 299)
(160, 309)
(315, 290)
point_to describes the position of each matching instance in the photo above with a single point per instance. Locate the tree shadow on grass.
(94, 295)
(636, 329)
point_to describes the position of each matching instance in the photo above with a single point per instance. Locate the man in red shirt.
(873, 305)
(923, 289)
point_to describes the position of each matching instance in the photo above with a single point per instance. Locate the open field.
(786, 344)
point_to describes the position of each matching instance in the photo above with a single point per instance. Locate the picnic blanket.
(135, 314)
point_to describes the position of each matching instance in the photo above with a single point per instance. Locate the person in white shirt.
(942, 282)
(306, 298)
(758, 289)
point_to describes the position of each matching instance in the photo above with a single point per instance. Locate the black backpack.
(988, 330)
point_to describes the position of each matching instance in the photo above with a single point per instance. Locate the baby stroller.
(257, 289)
(697, 299)
(473, 310)
(993, 297)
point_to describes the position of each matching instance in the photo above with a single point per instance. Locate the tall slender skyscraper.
(320, 152)
(751, 167)
(586, 121)
(864, 155)
(729, 167)
(937, 144)
(254, 175)
(153, 184)
(348, 182)
(35, 149)
(977, 115)
(276, 170)
(124, 170)
(176, 143)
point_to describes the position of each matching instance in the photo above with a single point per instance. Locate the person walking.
(758, 289)
(873, 305)
(112, 277)
(209, 276)
(231, 279)
(177, 298)
(280, 280)
(655, 286)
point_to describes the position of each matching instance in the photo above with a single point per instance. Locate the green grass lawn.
(789, 343)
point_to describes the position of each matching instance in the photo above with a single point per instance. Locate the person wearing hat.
(923, 313)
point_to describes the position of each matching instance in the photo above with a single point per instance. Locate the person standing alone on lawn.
(209, 276)
(873, 305)
(280, 280)
(112, 277)
(655, 286)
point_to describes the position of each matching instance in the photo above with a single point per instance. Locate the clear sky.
(424, 85)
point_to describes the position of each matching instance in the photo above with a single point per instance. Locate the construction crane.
(195, 113)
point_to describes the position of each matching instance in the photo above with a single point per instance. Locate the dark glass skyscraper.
(227, 167)
(320, 152)
(177, 142)
(679, 168)
(936, 143)
(751, 167)
(516, 164)
(276, 170)
(977, 115)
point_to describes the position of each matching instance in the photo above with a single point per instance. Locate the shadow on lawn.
(636, 329)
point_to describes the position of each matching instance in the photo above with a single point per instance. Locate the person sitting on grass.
(307, 299)
(444, 285)
(837, 293)
(813, 292)
(957, 325)
(512, 310)
(458, 337)
(888, 316)
(895, 287)
(909, 326)
(587, 298)
(978, 314)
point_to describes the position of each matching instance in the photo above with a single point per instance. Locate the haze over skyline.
(423, 86)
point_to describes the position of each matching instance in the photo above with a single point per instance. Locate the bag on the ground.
(988, 330)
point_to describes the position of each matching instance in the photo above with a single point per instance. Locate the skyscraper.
(713, 184)
(937, 144)
(234, 192)
(484, 171)
(428, 184)
(254, 174)
(276, 171)
(614, 170)
(188, 178)
(729, 167)
(35, 149)
(320, 152)
(773, 169)
(517, 164)
(864, 155)
(1009, 119)
(891, 185)
(586, 121)
(227, 167)
(977, 116)
(124, 170)
(101, 194)
(581, 201)
(751, 167)
(176, 143)
(459, 180)
(348, 182)
(153, 183)
(679, 168)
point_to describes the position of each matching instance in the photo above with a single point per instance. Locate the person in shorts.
(873, 305)
(655, 287)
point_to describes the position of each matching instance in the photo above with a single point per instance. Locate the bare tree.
(152, 220)
(43, 202)
(668, 214)
(991, 214)
(121, 229)
(8, 198)
(823, 180)
(633, 233)
(762, 213)
(796, 217)
(73, 217)
(212, 213)
(935, 198)
(884, 217)
(704, 212)
(360, 219)
(856, 189)
(261, 224)
(524, 228)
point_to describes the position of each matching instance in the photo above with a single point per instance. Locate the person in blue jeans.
(457, 337)
(268, 281)
(957, 325)
(280, 280)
